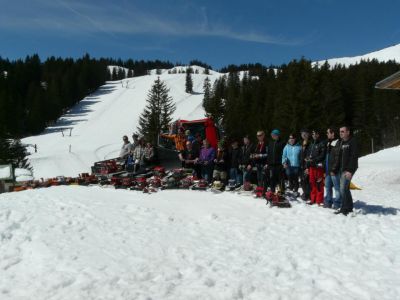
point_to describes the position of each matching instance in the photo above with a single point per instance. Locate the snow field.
(96, 243)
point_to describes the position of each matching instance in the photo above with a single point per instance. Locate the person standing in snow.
(189, 137)
(138, 154)
(315, 168)
(259, 157)
(197, 143)
(348, 165)
(304, 178)
(206, 160)
(148, 154)
(332, 176)
(189, 158)
(274, 161)
(291, 163)
(220, 164)
(126, 148)
(245, 161)
(179, 139)
(234, 157)
(135, 141)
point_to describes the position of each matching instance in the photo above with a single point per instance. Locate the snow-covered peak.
(118, 69)
(383, 55)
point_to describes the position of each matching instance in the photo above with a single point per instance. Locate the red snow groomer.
(171, 142)
(205, 127)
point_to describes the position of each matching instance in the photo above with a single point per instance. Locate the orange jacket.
(179, 140)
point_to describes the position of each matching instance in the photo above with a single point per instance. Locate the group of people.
(319, 165)
(136, 154)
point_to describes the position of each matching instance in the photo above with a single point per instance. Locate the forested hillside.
(302, 95)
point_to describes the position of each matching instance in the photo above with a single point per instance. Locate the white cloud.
(84, 18)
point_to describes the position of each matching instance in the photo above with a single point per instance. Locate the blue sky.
(217, 32)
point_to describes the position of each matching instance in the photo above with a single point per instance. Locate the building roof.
(392, 82)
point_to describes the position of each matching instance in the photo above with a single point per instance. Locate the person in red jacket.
(315, 169)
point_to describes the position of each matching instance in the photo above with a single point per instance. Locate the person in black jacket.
(332, 176)
(189, 158)
(245, 164)
(274, 162)
(348, 165)
(304, 178)
(234, 158)
(220, 164)
(315, 169)
(259, 157)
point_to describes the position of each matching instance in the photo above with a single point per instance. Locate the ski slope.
(98, 122)
(383, 55)
(77, 243)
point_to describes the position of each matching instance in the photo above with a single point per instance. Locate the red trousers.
(316, 176)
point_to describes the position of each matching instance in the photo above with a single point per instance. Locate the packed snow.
(93, 129)
(98, 243)
(383, 55)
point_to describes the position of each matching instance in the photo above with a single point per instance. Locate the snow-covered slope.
(96, 243)
(118, 69)
(100, 120)
(384, 55)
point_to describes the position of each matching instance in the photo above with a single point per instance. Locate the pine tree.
(216, 106)
(207, 93)
(157, 114)
(189, 81)
(13, 152)
(114, 75)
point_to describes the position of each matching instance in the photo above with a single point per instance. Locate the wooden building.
(390, 83)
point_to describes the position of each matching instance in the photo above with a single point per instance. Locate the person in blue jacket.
(291, 162)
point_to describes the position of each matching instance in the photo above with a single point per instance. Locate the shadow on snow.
(77, 112)
(367, 209)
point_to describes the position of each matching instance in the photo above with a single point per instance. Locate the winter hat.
(276, 132)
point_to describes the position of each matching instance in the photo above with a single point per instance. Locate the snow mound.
(383, 55)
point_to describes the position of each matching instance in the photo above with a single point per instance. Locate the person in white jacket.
(126, 148)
